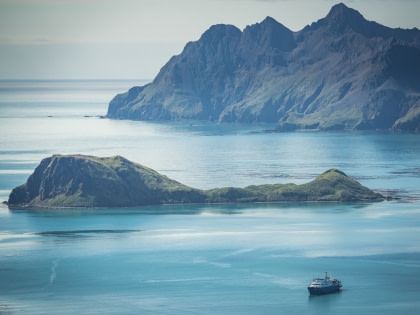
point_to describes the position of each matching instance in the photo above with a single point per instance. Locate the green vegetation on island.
(86, 181)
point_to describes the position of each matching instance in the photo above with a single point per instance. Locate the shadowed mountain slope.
(341, 72)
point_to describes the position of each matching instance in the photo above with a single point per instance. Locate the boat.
(325, 285)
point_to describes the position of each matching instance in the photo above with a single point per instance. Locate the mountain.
(87, 181)
(341, 72)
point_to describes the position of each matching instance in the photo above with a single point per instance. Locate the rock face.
(88, 181)
(341, 72)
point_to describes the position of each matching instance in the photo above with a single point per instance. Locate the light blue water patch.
(203, 259)
(222, 259)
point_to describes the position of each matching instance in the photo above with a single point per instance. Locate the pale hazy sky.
(133, 39)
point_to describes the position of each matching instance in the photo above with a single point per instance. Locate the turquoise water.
(220, 259)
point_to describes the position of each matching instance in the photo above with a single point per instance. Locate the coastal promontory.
(341, 72)
(80, 181)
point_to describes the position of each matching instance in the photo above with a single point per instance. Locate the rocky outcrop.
(88, 181)
(341, 72)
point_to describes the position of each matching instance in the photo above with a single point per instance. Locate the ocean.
(203, 259)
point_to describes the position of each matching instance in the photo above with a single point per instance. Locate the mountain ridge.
(341, 72)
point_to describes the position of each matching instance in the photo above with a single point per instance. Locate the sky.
(133, 39)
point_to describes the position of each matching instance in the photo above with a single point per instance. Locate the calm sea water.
(220, 259)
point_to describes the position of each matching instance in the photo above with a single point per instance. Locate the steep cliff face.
(341, 72)
(87, 181)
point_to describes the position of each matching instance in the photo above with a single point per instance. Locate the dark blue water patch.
(84, 233)
(160, 210)
(414, 171)
(401, 195)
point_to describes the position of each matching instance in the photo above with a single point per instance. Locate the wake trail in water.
(53, 272)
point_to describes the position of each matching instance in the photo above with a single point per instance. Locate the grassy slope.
(332, 185)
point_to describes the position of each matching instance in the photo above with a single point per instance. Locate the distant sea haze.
(224, 259)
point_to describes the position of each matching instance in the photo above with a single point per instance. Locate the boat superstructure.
(324, 285)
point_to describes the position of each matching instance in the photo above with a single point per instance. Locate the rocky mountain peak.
(270, 33)
(342, 18)
(218, 32)
(341, 13)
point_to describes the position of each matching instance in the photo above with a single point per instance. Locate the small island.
(80, 181)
